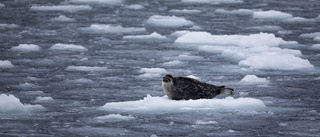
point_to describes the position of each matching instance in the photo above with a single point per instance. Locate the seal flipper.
(227, 91)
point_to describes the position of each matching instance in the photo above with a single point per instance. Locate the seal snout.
(166, 78)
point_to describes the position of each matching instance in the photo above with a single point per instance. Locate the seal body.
(179, 88)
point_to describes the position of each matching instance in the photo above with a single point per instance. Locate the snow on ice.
(67, 8)
(8, 26)
(152, 72)
(185, 11)
(113, 118)
(86, 68)
(63, 18)
(26, 48)
(109, 2)
(68, 47)
(272, 15)
(253, 79)
(5, 64)
(255, 51)
(108, 28)
(134, 7)
(11, 104)
(168, 21)
(152, 36)
(151, 104)
(212, 1)
(236, 12)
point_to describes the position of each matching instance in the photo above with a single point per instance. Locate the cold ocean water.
(94, 67)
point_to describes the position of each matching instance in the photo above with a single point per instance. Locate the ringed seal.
(179, 88)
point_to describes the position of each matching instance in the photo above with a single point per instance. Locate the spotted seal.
(184, 88)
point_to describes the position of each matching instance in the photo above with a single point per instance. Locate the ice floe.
(236, 12)
(271, 15)
(168, 21)
(26, 48)
(315, 46)
(152, 72)
(173, 63)
(267, 28)
(2, 5)
(298, 20)
(310, 35)
(67, 8)
(86, 68)
(108, 2)
(113, 29)
(185, 11)
(212, 1)
(6, 64)
(255, 51)
(113, 118)
(253, 79)
(152, 36)
(68, 47)
(165, 105)
(62, 18)
(134, 7)
(9, 104)
(8, 26)
(43, 99)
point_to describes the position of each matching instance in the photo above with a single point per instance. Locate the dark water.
(291, 97)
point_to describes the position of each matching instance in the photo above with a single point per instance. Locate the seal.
(184, 88)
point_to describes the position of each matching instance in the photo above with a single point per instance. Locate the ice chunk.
(315, 46)
(81, 80)
(253, 79)
(276, 61)
(63, 18)
(2, 5)
(68, 8)
(43, 99)
(10, 104)
(113, 118)
(116, 29)
(168, 21)
(199, 122)
(68, 47)
(212, 1)
(154, 36)
(109, 2)
(134, 7)
(317, 38)
(5, 64)
(236, 12)
(271, 15)
(310, 35)
(256, 51)
(164, 104)
(8, 26)
(267, 28)
(173, 63)
(152, 72)
(185, 11)
(86, 68)
(298, 20)
(26, 48)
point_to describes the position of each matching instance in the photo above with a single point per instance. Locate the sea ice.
(212, 1)
(109, 2)
(8, 26)
(113, 118)
(5, 64)
(81, 80)
(267, 28)
(253, 79)
(256, 51)
(134, 7)
(152, 72)
(116, 29)
(68, 47)
(68, 8)
(2, 5)
(168, 21)
(10, 104)
(173, 63)
(63, 18)
(236, 12)
(26, 48)
(185, 11)
(298, 20)
(153, 36)
(271, 15)
(317, 38)
(86, 68)
(310, 35)
(315, 46)
(165, 105)
(43, 99)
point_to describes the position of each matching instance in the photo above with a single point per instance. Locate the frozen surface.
(110, 2)
(6, 64)
(116, 29)
(68, 8)
(236, 12)
(151, 105)
(26, 48)
(168, 21)
(271, 15)
(63, 18)
(253, 79)
(86, 68)
(68, 47)
(212, 1)
(9, 104)
(152, 72)
(154, 36)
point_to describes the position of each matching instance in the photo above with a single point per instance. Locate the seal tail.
(227, 91)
